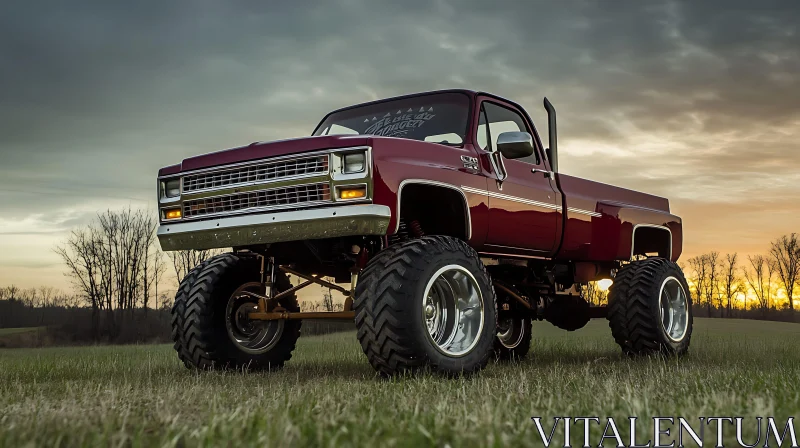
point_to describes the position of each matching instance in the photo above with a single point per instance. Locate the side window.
(502, 120)
(483, 131)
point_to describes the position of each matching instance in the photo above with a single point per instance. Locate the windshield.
(439, 118)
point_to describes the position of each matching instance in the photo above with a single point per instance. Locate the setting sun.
(604, 284)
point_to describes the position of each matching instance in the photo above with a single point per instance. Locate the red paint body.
(577, 219)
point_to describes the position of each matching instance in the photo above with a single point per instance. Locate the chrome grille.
(256, 173)
(256, 199)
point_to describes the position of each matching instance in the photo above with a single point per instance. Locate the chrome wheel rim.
(452, 307)
(674, 309)
(510, 332)
(250, 336)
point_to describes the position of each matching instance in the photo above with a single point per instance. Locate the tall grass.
(329, 396)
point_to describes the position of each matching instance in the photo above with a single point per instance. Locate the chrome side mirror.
(515, 145)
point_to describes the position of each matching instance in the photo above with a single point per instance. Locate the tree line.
(116, 264)
(15, 304)
(121, 291)
(764, 283)
(118, 274)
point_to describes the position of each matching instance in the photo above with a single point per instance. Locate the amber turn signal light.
(352, 193)
(174, 213)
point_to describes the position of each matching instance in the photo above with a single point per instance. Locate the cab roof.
(470, 93)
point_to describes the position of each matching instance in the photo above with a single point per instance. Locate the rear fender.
(645, 232)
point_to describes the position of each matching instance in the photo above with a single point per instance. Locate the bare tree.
(13, 291)
(128, 236)
(785, 254)
(700, 278)
(327, 300)
(81, 254)
(327, 296)
(159, 267)
(184, 261)
(712, 287)
(759, 279)
(48, 296)
(590, 292)
(594, 295)
(730, 279)
(771, 293)
(28, 297)
(112, 262)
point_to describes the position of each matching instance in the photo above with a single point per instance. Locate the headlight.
(354, 162)
(172, 188)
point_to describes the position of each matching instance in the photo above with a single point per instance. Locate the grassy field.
(329, 396)
(10, 331)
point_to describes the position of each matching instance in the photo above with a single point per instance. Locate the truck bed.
(607, 232)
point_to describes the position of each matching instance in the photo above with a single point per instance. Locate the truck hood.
(260, 150)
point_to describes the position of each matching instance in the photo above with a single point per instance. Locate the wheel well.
(652, 239)
(440, 210)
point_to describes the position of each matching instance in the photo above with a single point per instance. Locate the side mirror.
(515, 145)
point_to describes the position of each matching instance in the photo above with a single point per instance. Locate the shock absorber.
(268, 283)
(416, 229)
(405, 231)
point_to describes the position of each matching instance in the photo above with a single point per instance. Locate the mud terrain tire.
(178, 311)
(641, 322)
(199, 316)
(393, 317)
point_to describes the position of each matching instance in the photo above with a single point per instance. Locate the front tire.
(210, 325)
(426, 302)
(650, 308)
(179, 312)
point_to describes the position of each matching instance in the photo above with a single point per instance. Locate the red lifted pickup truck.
(451, 223)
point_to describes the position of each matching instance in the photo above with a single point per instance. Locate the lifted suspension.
(270, 309)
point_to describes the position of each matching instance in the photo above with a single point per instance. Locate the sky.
(695, 101)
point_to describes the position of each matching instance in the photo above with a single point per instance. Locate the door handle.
(545, 172)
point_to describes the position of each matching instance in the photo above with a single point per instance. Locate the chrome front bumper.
(263, 228)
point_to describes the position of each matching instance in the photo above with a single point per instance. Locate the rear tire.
(208, 326)
(399, 303)
(513, 340)
(650, 308)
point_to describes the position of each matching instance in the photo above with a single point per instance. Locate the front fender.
(399, 163)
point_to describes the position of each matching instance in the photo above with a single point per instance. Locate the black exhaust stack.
(552, 151)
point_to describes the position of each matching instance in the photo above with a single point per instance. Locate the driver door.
(524, 207)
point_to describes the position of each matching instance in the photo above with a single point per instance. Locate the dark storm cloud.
(99, 95)
(96, 96)
(111, 74)
(662, 65)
